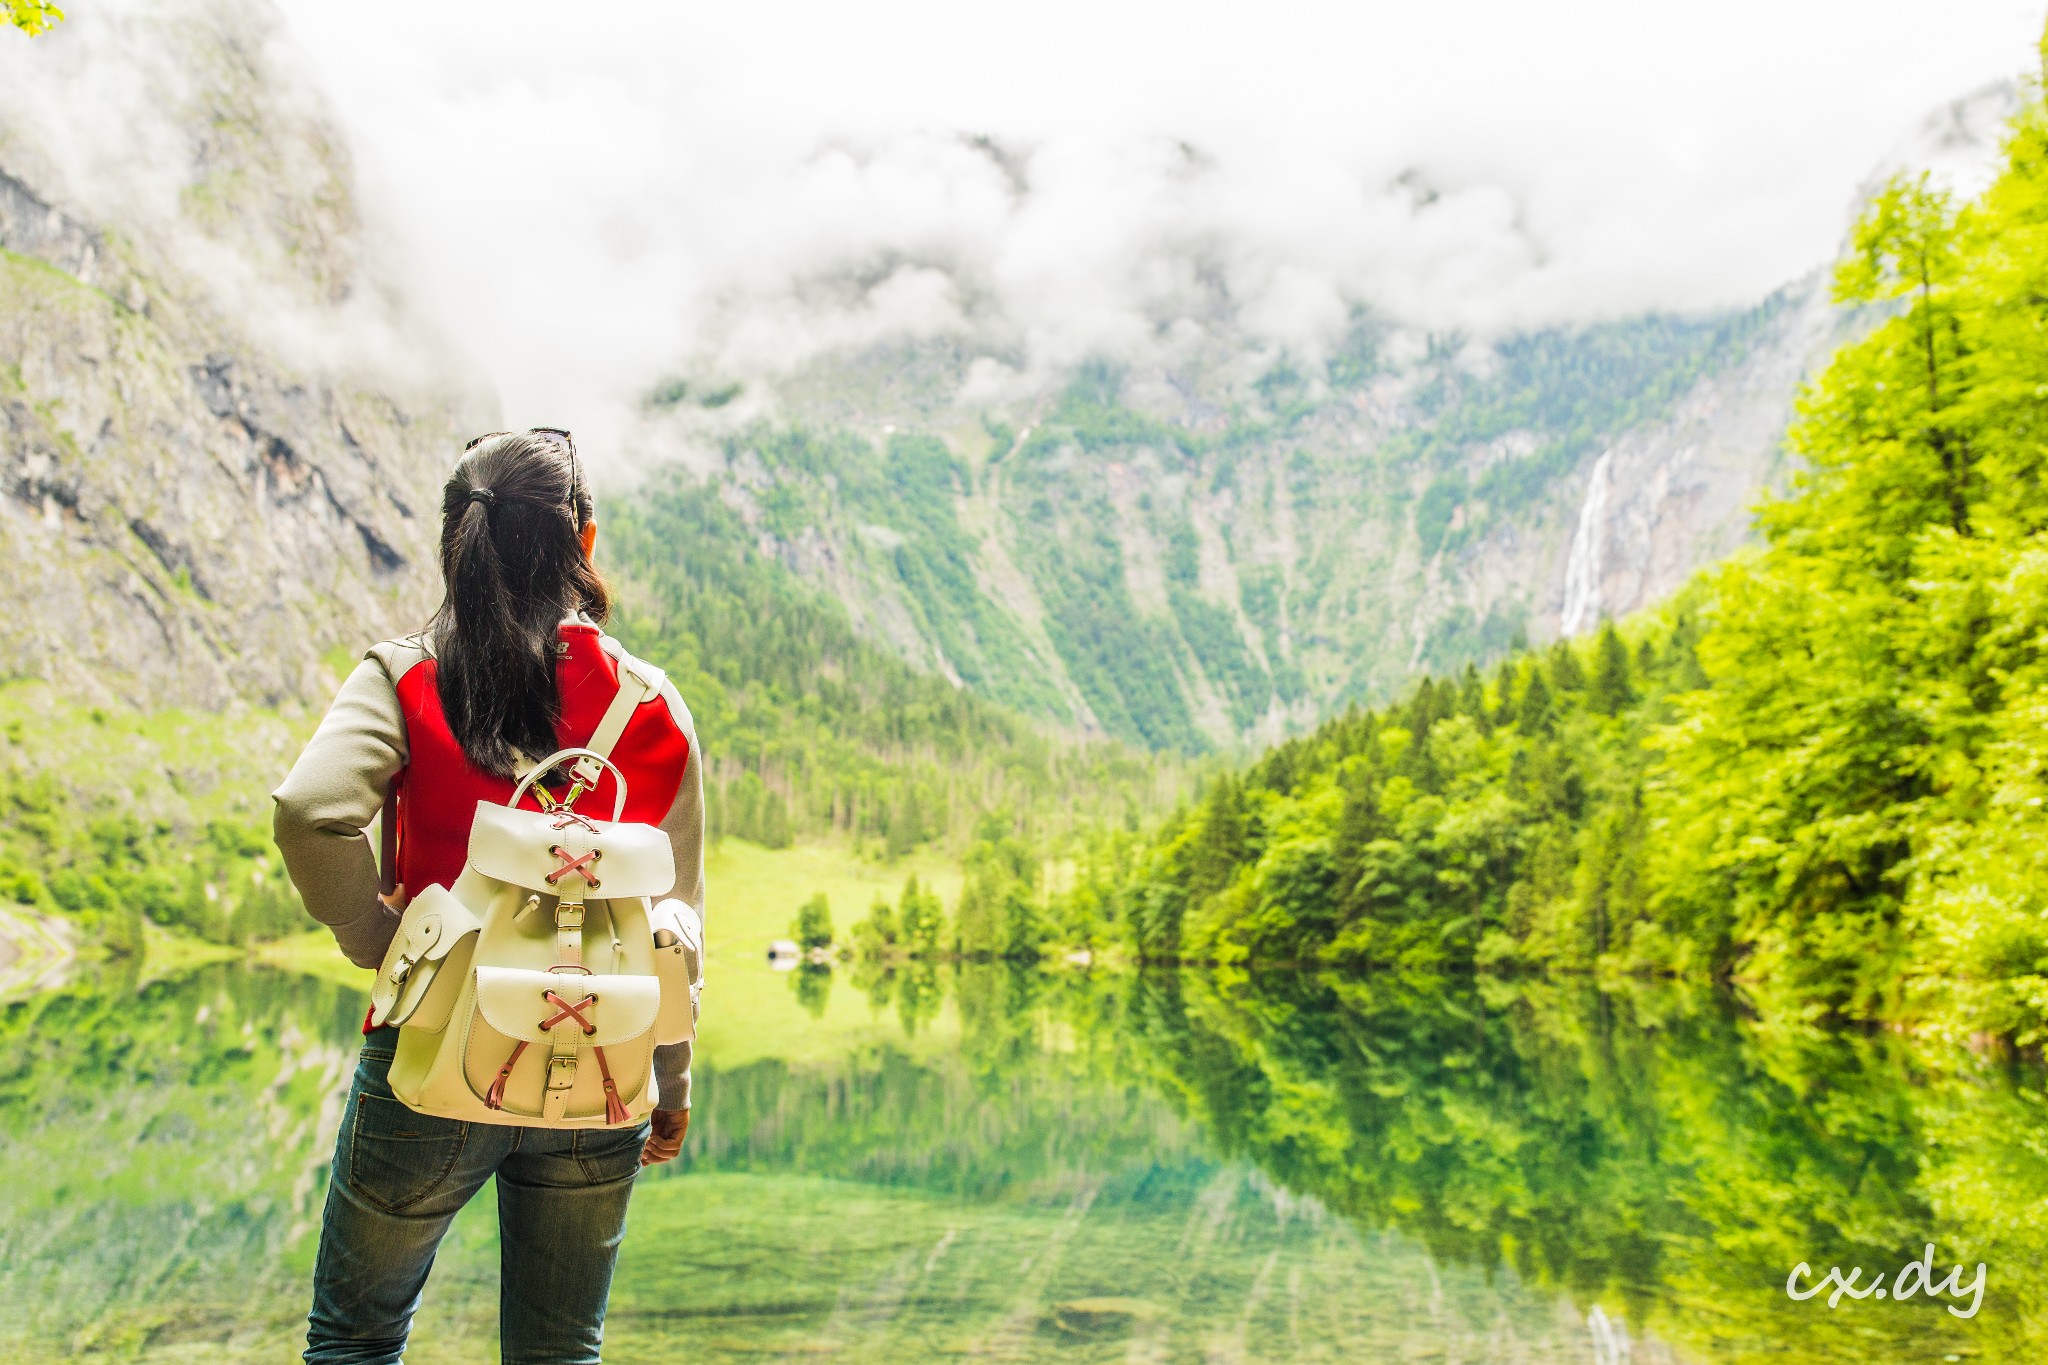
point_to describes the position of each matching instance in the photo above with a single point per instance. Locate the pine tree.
(813, 926)
(1532, 717)
(1504, 680)
(876, 936)
(976, 921)
(1611, 691)
(921, 920)
(1425, 708)
(1472, 698)
(1566, 674)
(1221, 843)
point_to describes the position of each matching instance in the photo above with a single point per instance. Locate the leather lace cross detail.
(569, 1011)
(564, 817)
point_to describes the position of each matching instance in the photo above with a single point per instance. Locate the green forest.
(810, 729)
(1817, 773)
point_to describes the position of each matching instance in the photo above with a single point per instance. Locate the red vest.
(439, 789)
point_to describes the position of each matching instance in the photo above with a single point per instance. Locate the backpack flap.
(434, 926)
(514, 1002)
(528, 847)
(679, 965)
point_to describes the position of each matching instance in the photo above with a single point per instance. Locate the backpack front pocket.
(560, 1045)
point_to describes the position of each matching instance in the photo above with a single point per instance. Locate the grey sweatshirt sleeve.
(324, 804)
(684, 825)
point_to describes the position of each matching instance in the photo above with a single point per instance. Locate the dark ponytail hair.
(511, 556)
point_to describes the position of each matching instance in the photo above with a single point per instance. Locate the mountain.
(811, 729)
(1202, 538)
(1205, 537)
(1186, 562)
(220, 438)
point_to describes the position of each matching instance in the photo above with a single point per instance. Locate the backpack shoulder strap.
(387, 841)
(638, 682)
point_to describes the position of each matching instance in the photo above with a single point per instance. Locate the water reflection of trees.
(1647, 1147)
(161, 1145)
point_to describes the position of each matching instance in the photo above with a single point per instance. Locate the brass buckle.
(561, 1073)
(569, 915)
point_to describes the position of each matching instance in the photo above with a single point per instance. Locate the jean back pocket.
(397, 1157)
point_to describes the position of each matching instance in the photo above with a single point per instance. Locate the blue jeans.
(398, 1181)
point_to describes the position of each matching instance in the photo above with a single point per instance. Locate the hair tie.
(482, 495)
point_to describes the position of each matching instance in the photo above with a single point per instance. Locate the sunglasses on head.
(554, 434)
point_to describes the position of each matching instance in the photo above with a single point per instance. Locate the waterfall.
(1582, 567)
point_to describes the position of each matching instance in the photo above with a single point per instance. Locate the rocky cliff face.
(1631, 523)
(214, 483)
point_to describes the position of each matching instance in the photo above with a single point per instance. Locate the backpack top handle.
(555, 760)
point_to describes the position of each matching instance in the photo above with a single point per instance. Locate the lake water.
(934, 1164)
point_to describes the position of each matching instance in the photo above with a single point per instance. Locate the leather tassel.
(614, 1112)
(494, 1098)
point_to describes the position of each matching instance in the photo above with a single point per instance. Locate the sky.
(587, 204)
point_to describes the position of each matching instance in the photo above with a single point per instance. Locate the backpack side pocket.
(415, 986)
(679, 963)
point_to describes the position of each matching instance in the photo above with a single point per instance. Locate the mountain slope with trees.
(1186, 564)
(811, 729)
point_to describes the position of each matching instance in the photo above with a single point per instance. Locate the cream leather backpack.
(535, 990)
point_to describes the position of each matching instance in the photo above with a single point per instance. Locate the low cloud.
(658, 189)
(195, 136)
